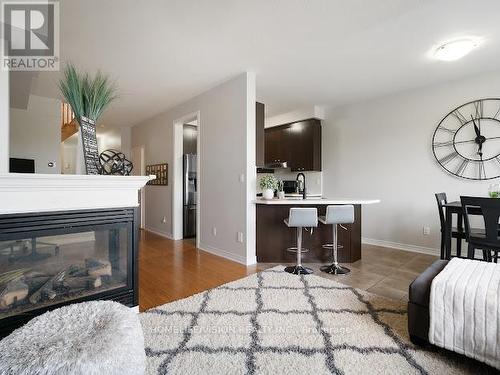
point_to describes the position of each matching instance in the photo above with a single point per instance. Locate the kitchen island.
(274, 237)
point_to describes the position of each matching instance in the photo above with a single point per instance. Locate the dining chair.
(489, 240)
(457, 233)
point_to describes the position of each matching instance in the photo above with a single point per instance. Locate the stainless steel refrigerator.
(190, 182)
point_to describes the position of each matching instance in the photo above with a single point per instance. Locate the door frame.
(141, 172)
(177, 195)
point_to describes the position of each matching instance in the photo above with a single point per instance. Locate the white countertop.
(324, 201)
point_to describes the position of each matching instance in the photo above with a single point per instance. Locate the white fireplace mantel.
(24, 192)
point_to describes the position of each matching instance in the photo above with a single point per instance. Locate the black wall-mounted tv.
(21, 165)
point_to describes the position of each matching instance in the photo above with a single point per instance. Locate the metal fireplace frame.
(27, 225)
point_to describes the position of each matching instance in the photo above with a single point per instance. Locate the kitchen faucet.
(301, 184)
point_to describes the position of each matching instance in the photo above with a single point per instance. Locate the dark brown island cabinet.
(274, 237)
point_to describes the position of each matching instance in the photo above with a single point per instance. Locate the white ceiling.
(326, 52)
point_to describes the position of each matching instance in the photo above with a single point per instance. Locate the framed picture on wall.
(161, 173)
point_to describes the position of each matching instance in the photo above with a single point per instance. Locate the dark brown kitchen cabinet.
(276, 145)
(259, 135)
(298, 143)
(305, 141)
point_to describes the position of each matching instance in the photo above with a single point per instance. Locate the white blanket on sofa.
(465, 310)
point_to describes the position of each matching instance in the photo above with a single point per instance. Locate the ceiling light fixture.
(456, 49)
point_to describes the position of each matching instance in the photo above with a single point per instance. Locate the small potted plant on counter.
(268, 184)
(494, 191)
(281, 192)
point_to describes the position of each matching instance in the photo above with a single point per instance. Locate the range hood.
(277, 164)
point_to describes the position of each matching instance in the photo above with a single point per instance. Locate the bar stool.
(337, 215)
(301, 218)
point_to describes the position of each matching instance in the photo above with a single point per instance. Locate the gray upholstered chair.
(301, 218)
(336, 215)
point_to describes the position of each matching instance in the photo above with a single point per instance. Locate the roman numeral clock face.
(466, 142)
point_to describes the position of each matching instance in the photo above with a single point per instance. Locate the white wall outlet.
(214, 231)
(426, 230)
(240, 237)
(242, 178)
(164, 220)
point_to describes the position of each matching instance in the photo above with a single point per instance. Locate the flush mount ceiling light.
(456, 49)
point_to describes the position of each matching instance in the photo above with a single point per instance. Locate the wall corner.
(4, 121)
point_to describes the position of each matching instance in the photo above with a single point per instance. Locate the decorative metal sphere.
(114, 162)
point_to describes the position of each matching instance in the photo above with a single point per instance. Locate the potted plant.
(281, 192)
(494, 191)
(268, 184)
(88, 97)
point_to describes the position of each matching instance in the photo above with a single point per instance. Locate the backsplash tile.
(314, 180)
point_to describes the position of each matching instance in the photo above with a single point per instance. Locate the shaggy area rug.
(275, 323)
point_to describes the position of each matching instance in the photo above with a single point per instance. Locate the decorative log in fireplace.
(55, 258)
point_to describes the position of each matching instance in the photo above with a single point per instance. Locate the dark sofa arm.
(418, 304)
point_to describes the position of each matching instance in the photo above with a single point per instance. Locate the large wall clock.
(466, 142)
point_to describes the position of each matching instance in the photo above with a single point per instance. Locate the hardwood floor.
(171, 270)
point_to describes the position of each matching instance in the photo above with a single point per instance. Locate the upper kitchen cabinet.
(276, 147)
(304, 139)
(298, 143)
(259, 134)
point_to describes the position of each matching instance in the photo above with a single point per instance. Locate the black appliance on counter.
(290, 186)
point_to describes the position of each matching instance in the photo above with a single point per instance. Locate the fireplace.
(51, 259)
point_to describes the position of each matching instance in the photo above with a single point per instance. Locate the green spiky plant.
(88, 96)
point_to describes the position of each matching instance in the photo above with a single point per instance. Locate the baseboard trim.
(251, 261)
(159, 233)
(210, 249)
(401, 246)
(223, 253)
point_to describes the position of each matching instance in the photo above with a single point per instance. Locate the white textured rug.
(276, 323)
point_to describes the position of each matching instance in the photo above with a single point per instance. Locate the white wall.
(227, 153)
(35, 133)
(69, 154)
(4, 121)
(126, 141)
(304, 113)
(382, 149)
(109, 139)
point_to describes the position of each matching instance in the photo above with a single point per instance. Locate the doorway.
(190, 180)
(186, 181)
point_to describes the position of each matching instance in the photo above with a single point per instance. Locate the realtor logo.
(30, 39)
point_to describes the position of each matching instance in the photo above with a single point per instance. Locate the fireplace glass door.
(49, 267)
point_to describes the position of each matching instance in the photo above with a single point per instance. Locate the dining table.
(455, 208)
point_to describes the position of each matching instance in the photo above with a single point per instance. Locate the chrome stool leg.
(298, 269)
(335, 268)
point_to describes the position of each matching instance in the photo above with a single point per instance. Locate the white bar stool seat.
(337, 215)
(301, 218)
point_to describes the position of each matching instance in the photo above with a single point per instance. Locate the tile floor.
(383, 271)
